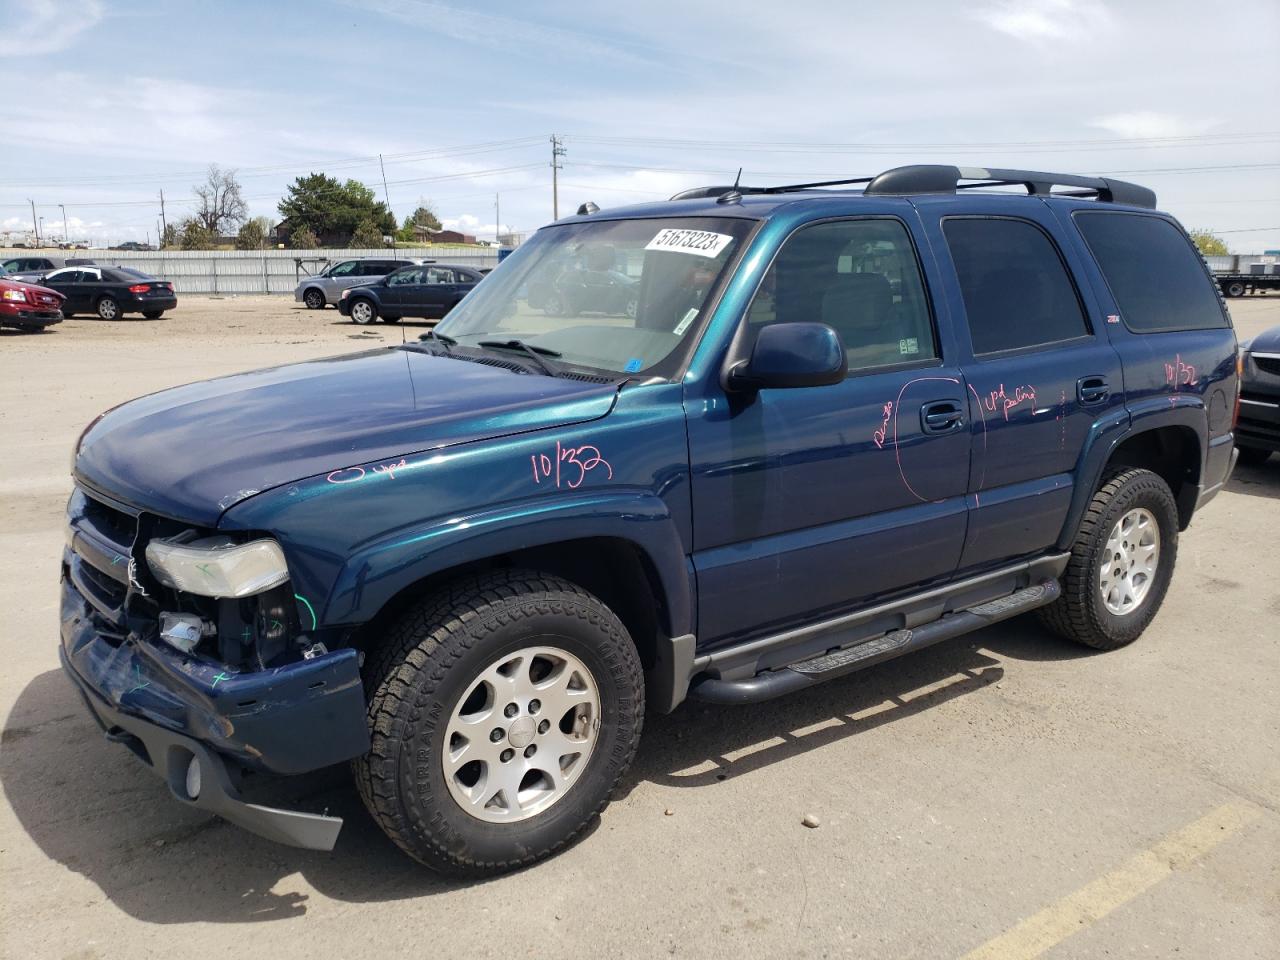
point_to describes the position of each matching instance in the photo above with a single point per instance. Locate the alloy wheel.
(1129, 564)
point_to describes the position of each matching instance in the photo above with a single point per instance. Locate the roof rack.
(927, 178)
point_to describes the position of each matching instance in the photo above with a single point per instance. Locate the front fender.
(382, 568)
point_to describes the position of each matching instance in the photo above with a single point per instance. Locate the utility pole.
(66, 234)
(557, 151)
(497, 216)
(35, 226)
(386, 196)
(164, 227)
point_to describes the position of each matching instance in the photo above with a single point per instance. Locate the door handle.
(1091, 390)
(941, 416)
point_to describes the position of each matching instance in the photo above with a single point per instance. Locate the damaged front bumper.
(172, 708)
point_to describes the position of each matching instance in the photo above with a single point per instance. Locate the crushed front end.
(206, 690)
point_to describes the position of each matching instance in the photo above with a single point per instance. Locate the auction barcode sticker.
(701, 243)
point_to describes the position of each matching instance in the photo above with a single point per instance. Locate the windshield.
(616, 295)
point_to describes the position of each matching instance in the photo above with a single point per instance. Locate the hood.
(192, 452)
(1266, 342)
(12, 281)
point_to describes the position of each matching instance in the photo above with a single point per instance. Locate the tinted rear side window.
(1154, 273)
(1016, 289)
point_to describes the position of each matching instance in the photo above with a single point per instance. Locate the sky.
(109, 102)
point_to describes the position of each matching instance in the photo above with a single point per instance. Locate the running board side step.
(838, 663)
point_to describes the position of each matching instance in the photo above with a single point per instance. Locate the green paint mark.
(247, 635)
(204, 568)
(310, 609)
(276, 626)
(220, 676)
(141, 683)
(118, 559)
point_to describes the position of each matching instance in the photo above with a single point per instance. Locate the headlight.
(19, 295)
(217, 567)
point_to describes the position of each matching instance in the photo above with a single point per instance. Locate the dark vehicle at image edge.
(1258, 429)
(420, 290)
(841, 425)
(111, 292)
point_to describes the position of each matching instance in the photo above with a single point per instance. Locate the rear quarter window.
(1155, 274)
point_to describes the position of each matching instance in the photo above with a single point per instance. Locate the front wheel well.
(615, 570)
(1173, 453)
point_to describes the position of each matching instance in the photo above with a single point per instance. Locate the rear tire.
(436, 672)
(1253, 456)
(1235, 288)
(1107, 563)
(153, 314)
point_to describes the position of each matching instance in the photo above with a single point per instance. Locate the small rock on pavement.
(668, 812)
(811, 821)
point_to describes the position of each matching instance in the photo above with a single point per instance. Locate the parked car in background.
(327, 286)
(134, 245)
(33, 268)
(1258, 431)
(111, 292)
(430, 291)
(25, 306)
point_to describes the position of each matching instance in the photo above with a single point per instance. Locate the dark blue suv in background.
(836, 423)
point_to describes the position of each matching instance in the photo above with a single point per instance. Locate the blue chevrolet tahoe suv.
(841, 421)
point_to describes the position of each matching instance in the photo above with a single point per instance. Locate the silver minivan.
(327, 286)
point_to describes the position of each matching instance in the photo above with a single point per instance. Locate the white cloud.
(38, 27)
(1038, 21)
(1149, 124)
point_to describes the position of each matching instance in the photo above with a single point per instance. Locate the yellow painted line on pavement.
(1096, 899)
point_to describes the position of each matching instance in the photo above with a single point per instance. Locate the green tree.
(171, 236)
(1210, 244)
(194, 235)
(325, 206)
(253, 235)
(424, 216)
(366, 235)
(303, 238)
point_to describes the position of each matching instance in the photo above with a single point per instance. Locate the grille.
(1268, 364)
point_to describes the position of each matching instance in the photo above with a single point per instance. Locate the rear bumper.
(148, 304)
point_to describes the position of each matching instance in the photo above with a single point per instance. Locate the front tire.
(108, 308)
(502, 713)
(1121, 563)
(363, 312)
(314, 299)
(1235, 288)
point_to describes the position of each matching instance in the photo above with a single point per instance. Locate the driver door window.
(859, 277)
(347, 269)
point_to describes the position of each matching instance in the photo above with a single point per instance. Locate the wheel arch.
(1167, 439)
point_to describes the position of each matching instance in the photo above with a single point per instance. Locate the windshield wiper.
(534, 353)
(440, 338)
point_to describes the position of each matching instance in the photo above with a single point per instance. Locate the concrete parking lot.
(1002, 795)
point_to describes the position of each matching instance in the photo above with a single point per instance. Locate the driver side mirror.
(791, 355)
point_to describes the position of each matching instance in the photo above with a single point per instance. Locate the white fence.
(253, 271)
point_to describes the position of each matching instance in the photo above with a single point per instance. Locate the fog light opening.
(193, 779)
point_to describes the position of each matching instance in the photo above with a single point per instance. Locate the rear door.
(438, 293)
(1040, 372)
(814, 500)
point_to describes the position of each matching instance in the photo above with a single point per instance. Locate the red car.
(27, 306)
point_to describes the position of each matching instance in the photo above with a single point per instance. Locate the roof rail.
(942, 178)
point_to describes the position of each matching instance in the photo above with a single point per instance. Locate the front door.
(809, 501)
(1039, 369)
